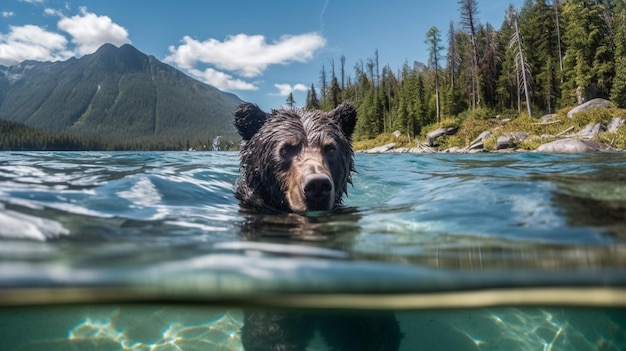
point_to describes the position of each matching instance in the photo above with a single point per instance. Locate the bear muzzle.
(318, 192)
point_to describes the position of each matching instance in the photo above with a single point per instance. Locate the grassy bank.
(540, 132)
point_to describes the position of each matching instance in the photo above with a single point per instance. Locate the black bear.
(294, 160)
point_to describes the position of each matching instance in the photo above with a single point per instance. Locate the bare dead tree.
(469, 10)
(558, 36)
(520, 61)
(433, 40)
(343, 71)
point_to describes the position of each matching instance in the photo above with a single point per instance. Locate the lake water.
(150, 251)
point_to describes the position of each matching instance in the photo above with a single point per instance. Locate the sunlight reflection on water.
(218, 334)
(148, 328)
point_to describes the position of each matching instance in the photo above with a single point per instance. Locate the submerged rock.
(572, 146)
(595, 103)
(432, 136)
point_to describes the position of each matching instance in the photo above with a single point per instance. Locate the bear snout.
(318, 192)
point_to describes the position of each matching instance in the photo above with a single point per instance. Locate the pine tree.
(557, 21)
(452, 56)
(618, 91)
(324, 83)
(453, 93)
(433, 39)
(365, 122)
(421, 106)
(335, 92)
(312, 103)
(588, 61)
(290, 100)
(489, 64)
(507, 80)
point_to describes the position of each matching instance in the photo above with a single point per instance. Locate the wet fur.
(280, 147)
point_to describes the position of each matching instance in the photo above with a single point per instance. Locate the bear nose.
(318, 189)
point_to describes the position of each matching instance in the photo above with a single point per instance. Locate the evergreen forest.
(544, 57)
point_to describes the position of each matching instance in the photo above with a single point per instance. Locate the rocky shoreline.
(563, 142)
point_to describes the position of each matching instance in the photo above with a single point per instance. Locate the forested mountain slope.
(117, 95)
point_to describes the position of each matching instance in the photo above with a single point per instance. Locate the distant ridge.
(116, 95)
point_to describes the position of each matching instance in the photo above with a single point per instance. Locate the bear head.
(295, 160)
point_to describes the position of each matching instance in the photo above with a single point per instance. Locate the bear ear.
(248, 120)
(345, 114)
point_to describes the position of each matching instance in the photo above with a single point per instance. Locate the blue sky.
(259, 50)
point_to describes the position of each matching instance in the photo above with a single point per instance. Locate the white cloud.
(89, 31)
(7, 14)
(53, 12)
(86, 30)
(245, 55)
(221, 80)
(285, 89)
(33, 1)
(31, 42)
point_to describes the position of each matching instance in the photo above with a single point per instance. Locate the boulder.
(591, 130)
(453, 150)
(432, 136)
(548, 118)
(381, 149)
(510, 140)
(595, 103)
(615, 124)
(423, 148)
(571, 146)
(479, 142)
(475, 151)
(400, 150)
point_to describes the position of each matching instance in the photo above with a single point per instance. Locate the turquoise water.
(150, 251)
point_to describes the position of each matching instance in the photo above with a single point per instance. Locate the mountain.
(116, 95)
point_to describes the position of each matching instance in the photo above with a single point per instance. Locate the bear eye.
(330, 149)
(287, 150)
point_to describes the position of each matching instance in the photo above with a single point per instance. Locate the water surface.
(438, 231)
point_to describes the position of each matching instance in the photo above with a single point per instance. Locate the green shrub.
(595, 115)
(616, 140)
(534, 126)
(490, 143)
(478, 113)
(533, 142)
(449, 141)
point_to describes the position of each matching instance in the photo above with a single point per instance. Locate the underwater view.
(151, 251)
